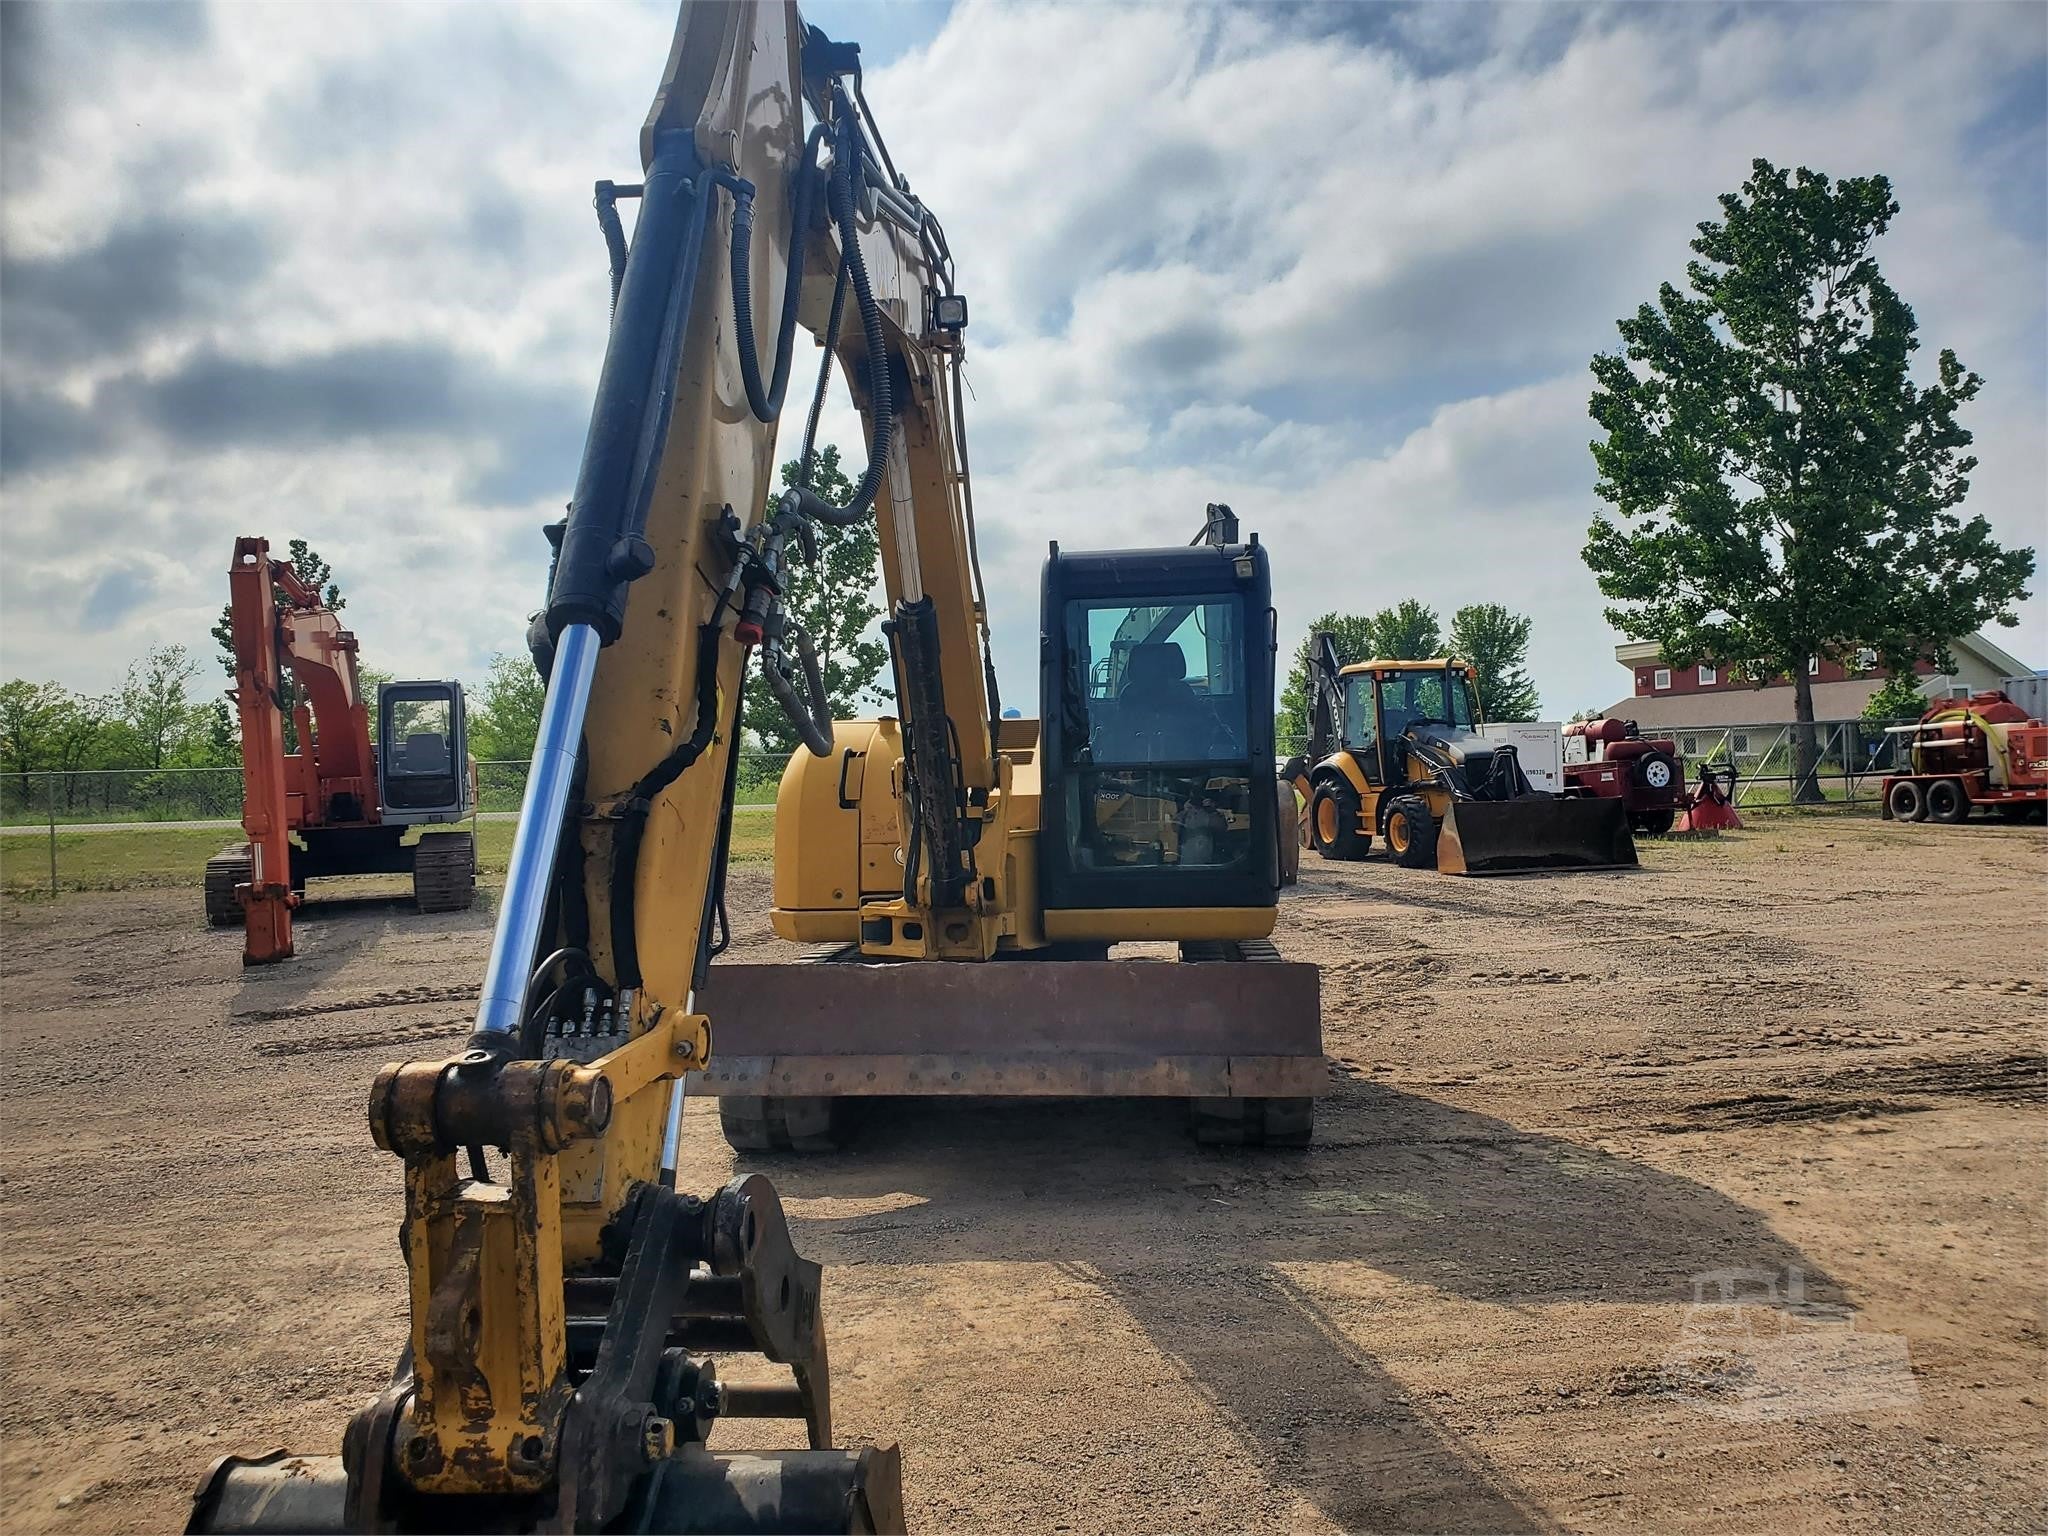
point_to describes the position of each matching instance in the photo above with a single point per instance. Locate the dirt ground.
(1798, 1071)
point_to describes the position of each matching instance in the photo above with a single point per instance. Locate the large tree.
(1785, 487)
(1496, 642)
(835, 601)
(504, 714)
(31, 717)
(1410, 632)
(153, 703)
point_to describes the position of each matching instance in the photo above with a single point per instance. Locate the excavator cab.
(1158, 708)
(423, 769)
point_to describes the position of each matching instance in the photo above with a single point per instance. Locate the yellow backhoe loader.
(567, 1296)
(1395, 752)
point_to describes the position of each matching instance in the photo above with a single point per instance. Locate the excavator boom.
(566, 1293)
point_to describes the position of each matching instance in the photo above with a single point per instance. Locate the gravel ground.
(1797, 1071)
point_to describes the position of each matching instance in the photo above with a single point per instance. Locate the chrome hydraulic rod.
(539, 836)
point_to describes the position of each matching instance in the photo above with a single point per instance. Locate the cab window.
(1155, 725)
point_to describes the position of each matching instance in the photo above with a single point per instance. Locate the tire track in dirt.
(403, 997)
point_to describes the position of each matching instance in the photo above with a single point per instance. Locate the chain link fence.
(113, 828)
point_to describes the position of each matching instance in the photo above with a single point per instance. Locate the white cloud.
(1340, 267)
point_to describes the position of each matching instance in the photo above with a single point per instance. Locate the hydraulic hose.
(808, 709)
(631, 815)
(881, 395)
(809, 455)
(766, 401)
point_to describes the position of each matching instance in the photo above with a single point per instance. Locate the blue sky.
(330, 272)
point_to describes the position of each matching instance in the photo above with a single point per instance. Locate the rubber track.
(444, 872)
(1246, 1122)
(224, 871)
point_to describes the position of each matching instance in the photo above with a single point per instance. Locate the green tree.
(318, 575)
(368, 681)
(1496, 642)
(1899, 699)
(213, 740)
(504, 713)
(834, 600)
(31, 714)
(1790, 487)
(1410, 632)
(153, 704)
(1354, 636)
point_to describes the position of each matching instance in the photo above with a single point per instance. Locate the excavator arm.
(563, 1291)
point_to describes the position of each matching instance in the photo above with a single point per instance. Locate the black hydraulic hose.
(860, 95)
(808, 706)
(608, 195)
(881, 395)
(766, 402)
(714, 932)
(824, 378)
(632, 812)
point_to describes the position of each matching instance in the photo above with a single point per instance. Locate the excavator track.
(1247, 1121)
(224, 871)
(444, 872)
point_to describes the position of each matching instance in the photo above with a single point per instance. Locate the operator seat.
(426, 752)
(1159, 717)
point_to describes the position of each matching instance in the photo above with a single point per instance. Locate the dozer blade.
(1063, 1028)
(1510, 837)
(784, 1493)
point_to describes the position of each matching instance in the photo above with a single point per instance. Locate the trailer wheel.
(1946, 802)
(1905, 801)
(1333, 822)
(1411, 833)
(1655, 823)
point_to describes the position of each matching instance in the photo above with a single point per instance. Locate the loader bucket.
(1509, 837)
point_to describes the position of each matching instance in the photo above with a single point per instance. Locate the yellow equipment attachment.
(1513, 837)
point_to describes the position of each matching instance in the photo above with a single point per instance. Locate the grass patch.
(143, 857)
(130, 859)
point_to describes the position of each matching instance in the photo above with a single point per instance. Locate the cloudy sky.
(331, 271)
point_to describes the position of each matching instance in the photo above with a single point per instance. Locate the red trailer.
(1983, 751)
(1613, 759)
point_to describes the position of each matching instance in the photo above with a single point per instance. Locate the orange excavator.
(348, 805)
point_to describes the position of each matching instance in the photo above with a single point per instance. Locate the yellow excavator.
(1138, 810)
(1396, 752)
(568, 1297)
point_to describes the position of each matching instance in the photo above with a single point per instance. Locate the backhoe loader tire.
(1254, 1122)
(1287, 832)
(224, 871)
(444, 872)
(1947, 802)
(1654, 823)
(1906, 802)
(1333, 822)
(1411, 833)
(797, 1124)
